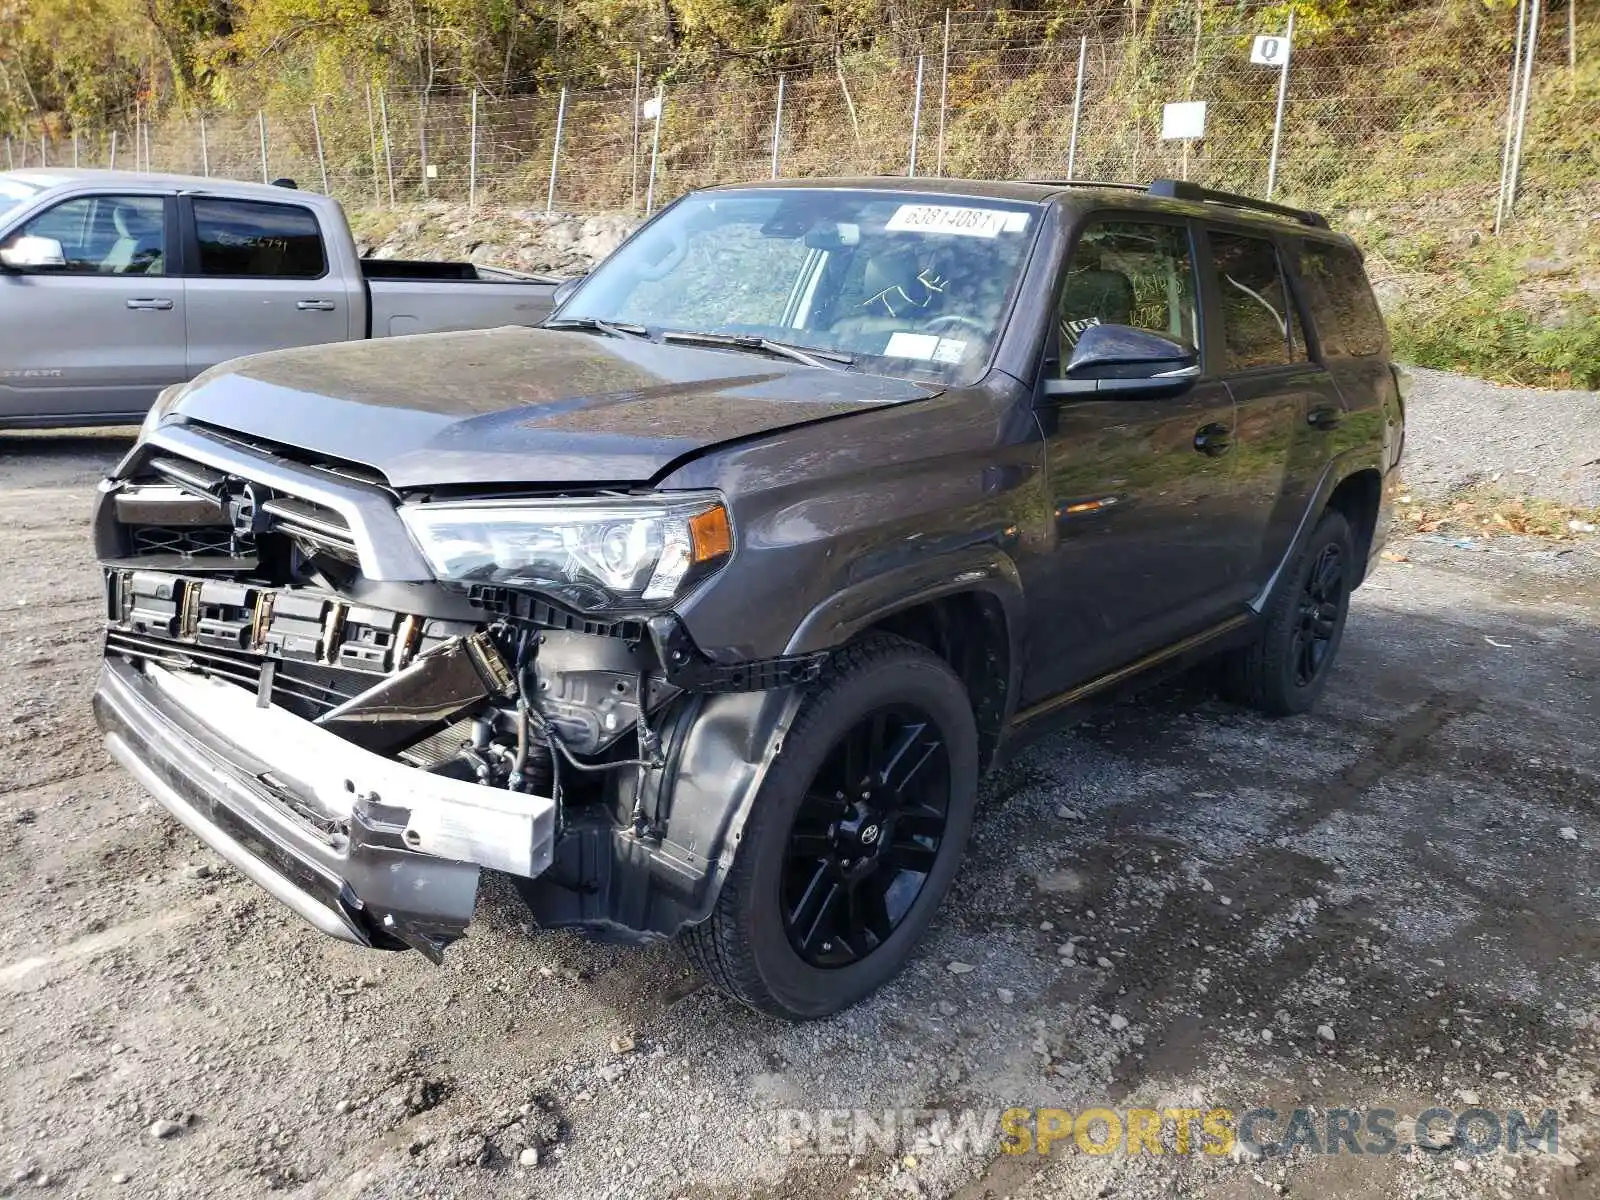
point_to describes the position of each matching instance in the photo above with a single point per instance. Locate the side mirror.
(563, 290)
(1120, 358)
(29, 253)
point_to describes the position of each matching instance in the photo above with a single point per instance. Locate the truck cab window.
(1130, 272)
(105, 235)
(258, 240)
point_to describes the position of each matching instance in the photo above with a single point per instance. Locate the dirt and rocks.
(1392, 903)
(524, 239)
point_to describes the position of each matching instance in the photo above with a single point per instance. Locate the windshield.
(918, 284)
(12, 193)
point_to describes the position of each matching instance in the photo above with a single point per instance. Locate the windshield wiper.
(621, 329)
(829, 359)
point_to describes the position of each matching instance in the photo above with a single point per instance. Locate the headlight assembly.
(601, 555)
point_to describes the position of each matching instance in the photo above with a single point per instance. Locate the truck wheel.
(1284, 671)
(853, 839)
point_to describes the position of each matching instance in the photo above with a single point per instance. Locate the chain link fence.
(1383, 116)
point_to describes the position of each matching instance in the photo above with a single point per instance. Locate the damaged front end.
(299, 679)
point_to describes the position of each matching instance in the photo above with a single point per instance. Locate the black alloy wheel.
(854, 838)
(866, 836)
(1285, 669)
(1321, 605)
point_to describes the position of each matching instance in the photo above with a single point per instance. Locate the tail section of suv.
(701, 610)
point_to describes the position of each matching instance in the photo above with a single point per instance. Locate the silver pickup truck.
(114, 285)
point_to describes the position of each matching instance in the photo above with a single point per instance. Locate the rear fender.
(1337, 471)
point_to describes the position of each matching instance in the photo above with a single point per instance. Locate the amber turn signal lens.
(711, 533)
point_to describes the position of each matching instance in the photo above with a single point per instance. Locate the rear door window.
(256, 240)
(1342, 305)
(1259, 325)
(1127, 271)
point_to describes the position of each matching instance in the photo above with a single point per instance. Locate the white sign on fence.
(1186, 119)
(650, 109)
(1270, 50)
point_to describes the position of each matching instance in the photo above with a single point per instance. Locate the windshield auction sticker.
(946, 218)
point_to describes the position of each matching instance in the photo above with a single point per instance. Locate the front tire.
(853, 839)
(1286, 669)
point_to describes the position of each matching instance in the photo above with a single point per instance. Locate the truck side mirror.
(32, 253)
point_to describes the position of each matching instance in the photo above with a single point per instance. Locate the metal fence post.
(777, 128)
(113, 149)
(44, 150)
(322, 161)
(916, 121)
(1283, 93)
(74, 149)
(261, 124)
(472, 158)
(372, 135)
(138, 133)
(10, 162)
(1522, 107)
(655, 150)
(1511, 116)
(388, 153)
(555, 153)
(638, 68)
(147, 159)
(1077, 107)
(205, 151)
(944, 95)
(422, 139)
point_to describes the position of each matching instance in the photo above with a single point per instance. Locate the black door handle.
(1213, 440)
(1324, 418)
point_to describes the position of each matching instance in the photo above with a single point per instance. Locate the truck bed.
(418, 269)
(436, 301)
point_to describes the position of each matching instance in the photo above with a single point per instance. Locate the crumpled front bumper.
(364, 848)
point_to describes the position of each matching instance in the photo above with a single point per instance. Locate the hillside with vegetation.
(1395, 118)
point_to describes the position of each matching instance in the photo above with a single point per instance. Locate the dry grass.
(1487, 512)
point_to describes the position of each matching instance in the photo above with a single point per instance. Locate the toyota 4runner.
(700, 610)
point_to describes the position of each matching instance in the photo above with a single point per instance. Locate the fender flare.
(1339, 468)
(983, 568)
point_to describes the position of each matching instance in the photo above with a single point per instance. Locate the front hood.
(521, 405)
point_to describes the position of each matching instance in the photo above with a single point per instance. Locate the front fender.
(983, 568)
(648, 883)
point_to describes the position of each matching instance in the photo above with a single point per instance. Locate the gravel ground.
(1464, 431)
(1412, 869)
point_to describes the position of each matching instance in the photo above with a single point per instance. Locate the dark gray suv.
(700, 610)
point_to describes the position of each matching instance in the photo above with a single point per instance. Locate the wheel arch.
(1359, 498)
(966, 607)
(1353, 484)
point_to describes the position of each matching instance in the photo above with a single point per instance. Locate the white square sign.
(651, 109)
(1186, 119)
(1270, 50)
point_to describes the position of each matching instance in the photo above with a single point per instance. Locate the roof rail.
(1177, 189)
(1099, 183)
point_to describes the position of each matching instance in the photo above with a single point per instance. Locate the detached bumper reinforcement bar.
(324, 827)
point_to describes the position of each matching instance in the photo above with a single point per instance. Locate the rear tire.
(847, 852)
(1286, 669)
